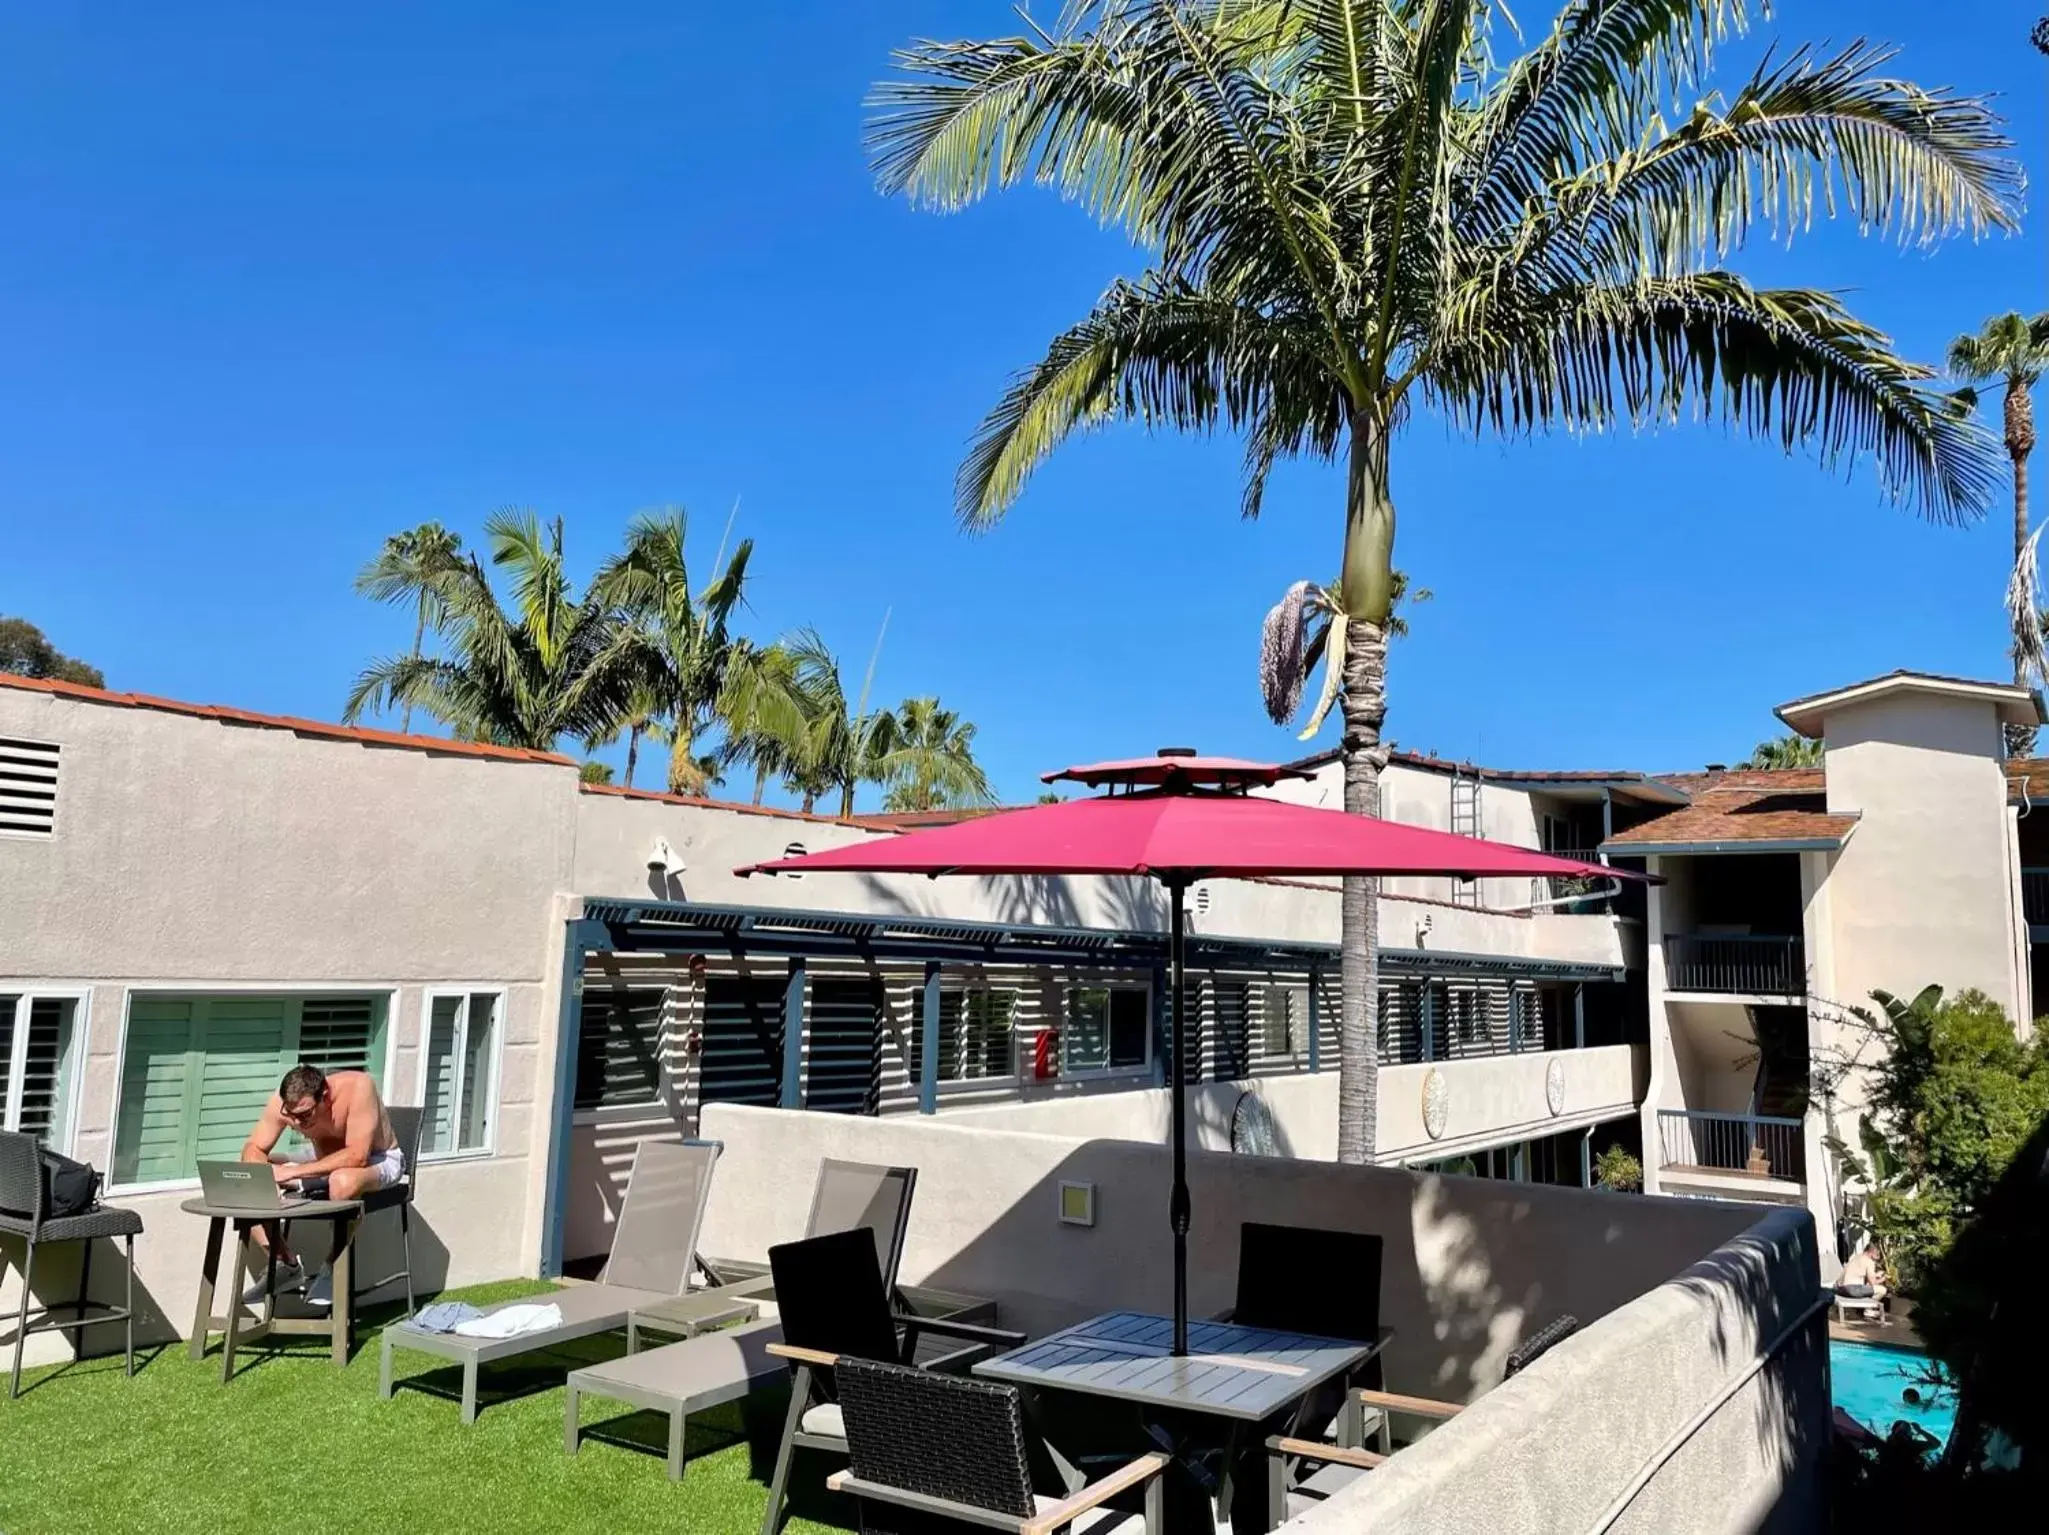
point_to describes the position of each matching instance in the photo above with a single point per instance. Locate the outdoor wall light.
(1077, 1204)
(663, 859)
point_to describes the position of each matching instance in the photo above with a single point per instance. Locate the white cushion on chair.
(823, 1419)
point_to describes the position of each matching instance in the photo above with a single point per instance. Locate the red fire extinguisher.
(1046, 1055)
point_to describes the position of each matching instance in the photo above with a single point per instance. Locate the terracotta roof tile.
(2028, 776)
(1789, 780)
(656, 796)
(1769, 805)
(318, 729)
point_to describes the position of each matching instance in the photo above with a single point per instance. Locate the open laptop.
(245, 1186)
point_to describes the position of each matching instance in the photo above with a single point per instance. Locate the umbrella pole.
(1178, 1206)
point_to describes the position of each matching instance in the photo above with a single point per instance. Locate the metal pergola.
(635, 926)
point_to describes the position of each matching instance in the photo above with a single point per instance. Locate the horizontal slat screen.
(28, 787)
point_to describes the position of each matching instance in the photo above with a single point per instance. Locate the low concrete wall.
(1470, 1267)
(1491, 1101)
(1677, 1298)
(1658, 1418)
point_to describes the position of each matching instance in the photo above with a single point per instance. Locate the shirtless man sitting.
(352, 1147)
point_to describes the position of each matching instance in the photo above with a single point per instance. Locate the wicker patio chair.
(932, 1454)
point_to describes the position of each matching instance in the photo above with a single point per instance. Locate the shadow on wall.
(57, 1265)
(1471, 1266)
(1037, 900)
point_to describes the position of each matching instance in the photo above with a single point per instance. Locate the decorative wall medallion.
(1554, 1086)
(1436, 1104)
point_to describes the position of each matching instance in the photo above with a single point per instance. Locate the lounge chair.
(829, 1291)
(848, 1195)
(654, 1253)
(939, 1453)
(1342, 1464)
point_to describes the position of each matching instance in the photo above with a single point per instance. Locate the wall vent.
(28, 788)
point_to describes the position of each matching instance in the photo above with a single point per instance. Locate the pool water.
(1866, 1382)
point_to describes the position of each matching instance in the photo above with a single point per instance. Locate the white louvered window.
(459, 1086)
(39, 1042)
(28, 788)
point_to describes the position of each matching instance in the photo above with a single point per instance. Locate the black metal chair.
(829, 1294)
(22, 1201)
(408, 1125)
(1343, 1464)
(932, 1454)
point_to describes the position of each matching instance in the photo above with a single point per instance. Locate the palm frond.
(1790, 365)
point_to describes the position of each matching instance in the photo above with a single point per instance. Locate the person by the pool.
(350, 1144)
(1862, 1277)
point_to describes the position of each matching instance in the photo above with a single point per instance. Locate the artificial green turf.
(294, 1444)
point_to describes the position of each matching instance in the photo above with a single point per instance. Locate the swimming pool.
(1866, 1382)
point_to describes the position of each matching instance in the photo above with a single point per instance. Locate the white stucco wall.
(196, 855)
(1495, 1101)
(1921, 891)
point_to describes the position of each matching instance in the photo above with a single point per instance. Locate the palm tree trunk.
(760, 781)
(846, 799)
(2020, 442)
(632, 750)
(810, 800)
(1367, 589)
(405, 719)
(680, 762)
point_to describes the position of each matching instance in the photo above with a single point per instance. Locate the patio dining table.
(1240, 1378)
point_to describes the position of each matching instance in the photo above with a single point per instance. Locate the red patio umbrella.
(1177, 818)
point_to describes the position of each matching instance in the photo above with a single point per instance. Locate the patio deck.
(175, 1451)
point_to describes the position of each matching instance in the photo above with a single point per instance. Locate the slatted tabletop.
(1246, 1373)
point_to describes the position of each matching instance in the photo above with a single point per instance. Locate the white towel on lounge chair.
(512, 1322)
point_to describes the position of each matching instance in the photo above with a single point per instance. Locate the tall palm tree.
(2011, 350)
(765, 713)
(404, 571)
(931, 764)
(1355, 211)
(550, 665)
(685, 640)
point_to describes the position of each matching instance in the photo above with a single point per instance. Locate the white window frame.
(1010, 1079)
(14, 1070)
(1105, 983)
(500, 995)
(390, 991)
(1298, 1023)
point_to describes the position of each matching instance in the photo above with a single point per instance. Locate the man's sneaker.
(320, 1290)
(290, 1277)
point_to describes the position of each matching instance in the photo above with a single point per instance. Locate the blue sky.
(279, 280)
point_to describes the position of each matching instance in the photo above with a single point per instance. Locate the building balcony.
(2035, 896)
(1737, 964)
(1759, 1155)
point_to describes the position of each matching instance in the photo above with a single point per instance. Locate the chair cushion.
(107, 1221)
(824, 1419)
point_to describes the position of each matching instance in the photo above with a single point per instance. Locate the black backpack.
(69, 1187)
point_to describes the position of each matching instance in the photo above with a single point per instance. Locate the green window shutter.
(480, 1044)
(439, 1097)
(149, 1135)
(45, 1085)
(341, 1033)
(243, 1053)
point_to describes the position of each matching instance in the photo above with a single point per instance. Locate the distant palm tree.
(684, 642)
(1786, 751)
(931, 764)
(1358, 211)
(549, 666)
(404, 571)
(765, 713)
(2011, 350)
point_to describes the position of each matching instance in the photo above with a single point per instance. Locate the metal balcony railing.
(1752, 1145)
(2035, 895)
(1754, 964)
